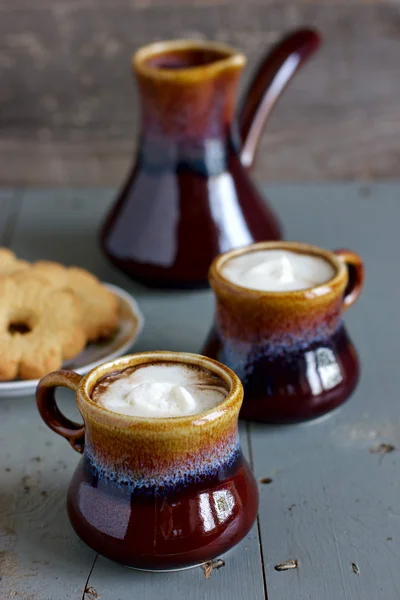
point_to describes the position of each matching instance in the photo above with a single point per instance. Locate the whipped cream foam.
(277, 270)
(160, 390)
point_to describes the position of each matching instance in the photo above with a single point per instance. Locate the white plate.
(96, 353)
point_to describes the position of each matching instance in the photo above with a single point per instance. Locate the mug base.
(195, 566)
(166, 570)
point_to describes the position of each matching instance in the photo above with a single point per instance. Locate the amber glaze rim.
(316, 291)
(229, 58)
(232, 400)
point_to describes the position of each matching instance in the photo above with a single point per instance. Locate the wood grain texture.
(333, 504)
(62, 225)
(10, 201)
(40, 556)
(69, 107)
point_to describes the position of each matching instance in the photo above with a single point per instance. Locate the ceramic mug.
(290, 349)
(155, 493)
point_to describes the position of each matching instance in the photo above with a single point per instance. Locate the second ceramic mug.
(155, 493)
(290, 349)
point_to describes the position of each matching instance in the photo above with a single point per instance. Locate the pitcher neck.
(204, 156)
(187, 90)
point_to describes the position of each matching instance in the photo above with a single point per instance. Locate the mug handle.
(51, 414)
(355, 269)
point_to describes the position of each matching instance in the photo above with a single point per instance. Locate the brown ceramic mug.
(155, 493)
(290, 348)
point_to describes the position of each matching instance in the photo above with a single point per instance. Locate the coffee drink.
(277, 270)
(160, 390)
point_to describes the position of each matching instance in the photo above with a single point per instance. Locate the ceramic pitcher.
(189, 195)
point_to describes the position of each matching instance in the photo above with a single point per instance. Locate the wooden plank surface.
(63, 226)
(332, 503)
(10, 202)
(40, 555)
(69, 106)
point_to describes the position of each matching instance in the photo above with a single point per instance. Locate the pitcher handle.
(355, 268)
(268, 83)
(51, 414)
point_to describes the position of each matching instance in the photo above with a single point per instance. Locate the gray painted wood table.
(333, 504)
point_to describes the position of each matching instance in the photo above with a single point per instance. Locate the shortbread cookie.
(54, 274)
(10, 264)
(40, 327)
(99, 305)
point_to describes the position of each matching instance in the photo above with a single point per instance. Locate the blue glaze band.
(181, 476)
(241, 356)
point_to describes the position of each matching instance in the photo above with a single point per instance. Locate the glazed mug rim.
(302, 248)
(232, 400)
(229, 57)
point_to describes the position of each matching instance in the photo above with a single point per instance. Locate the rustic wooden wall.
(67, 101)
